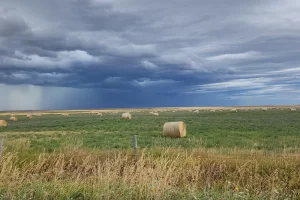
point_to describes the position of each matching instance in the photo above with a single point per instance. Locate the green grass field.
(256, 151)
(272, 130)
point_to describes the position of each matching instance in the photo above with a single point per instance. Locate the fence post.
(135, 147)
(1, 143)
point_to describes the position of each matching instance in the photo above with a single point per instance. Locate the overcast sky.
(70, 54)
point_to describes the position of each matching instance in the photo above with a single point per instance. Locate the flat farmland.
(248, 154)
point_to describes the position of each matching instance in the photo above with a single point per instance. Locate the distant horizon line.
(148, 107)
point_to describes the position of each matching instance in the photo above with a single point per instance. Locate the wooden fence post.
(1, 143)
(135, 147)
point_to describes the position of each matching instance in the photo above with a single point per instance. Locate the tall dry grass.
(159, 174)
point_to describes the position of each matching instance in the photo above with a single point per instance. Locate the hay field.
(248, 154)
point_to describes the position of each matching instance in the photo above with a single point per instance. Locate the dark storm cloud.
(12, 25)
(95, 16)
(172, 47)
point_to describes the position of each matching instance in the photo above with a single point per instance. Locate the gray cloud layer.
(239, 48)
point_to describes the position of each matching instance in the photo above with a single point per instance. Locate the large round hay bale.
(65, 114)
(29, 116)
(100, 114)
(174, 129)
(126, 115)
(3, 123)
(13, 118)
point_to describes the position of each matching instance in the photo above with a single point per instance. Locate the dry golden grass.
(156, 173)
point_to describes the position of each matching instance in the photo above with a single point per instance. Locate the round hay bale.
(126, 115)
(293, 109)
(174, 129)
(155, 114)
(100, 114)
(29, 116)
(3, 123)
(13, 118)
(65, 114)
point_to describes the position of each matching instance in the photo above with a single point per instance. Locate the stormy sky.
(77, 54)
